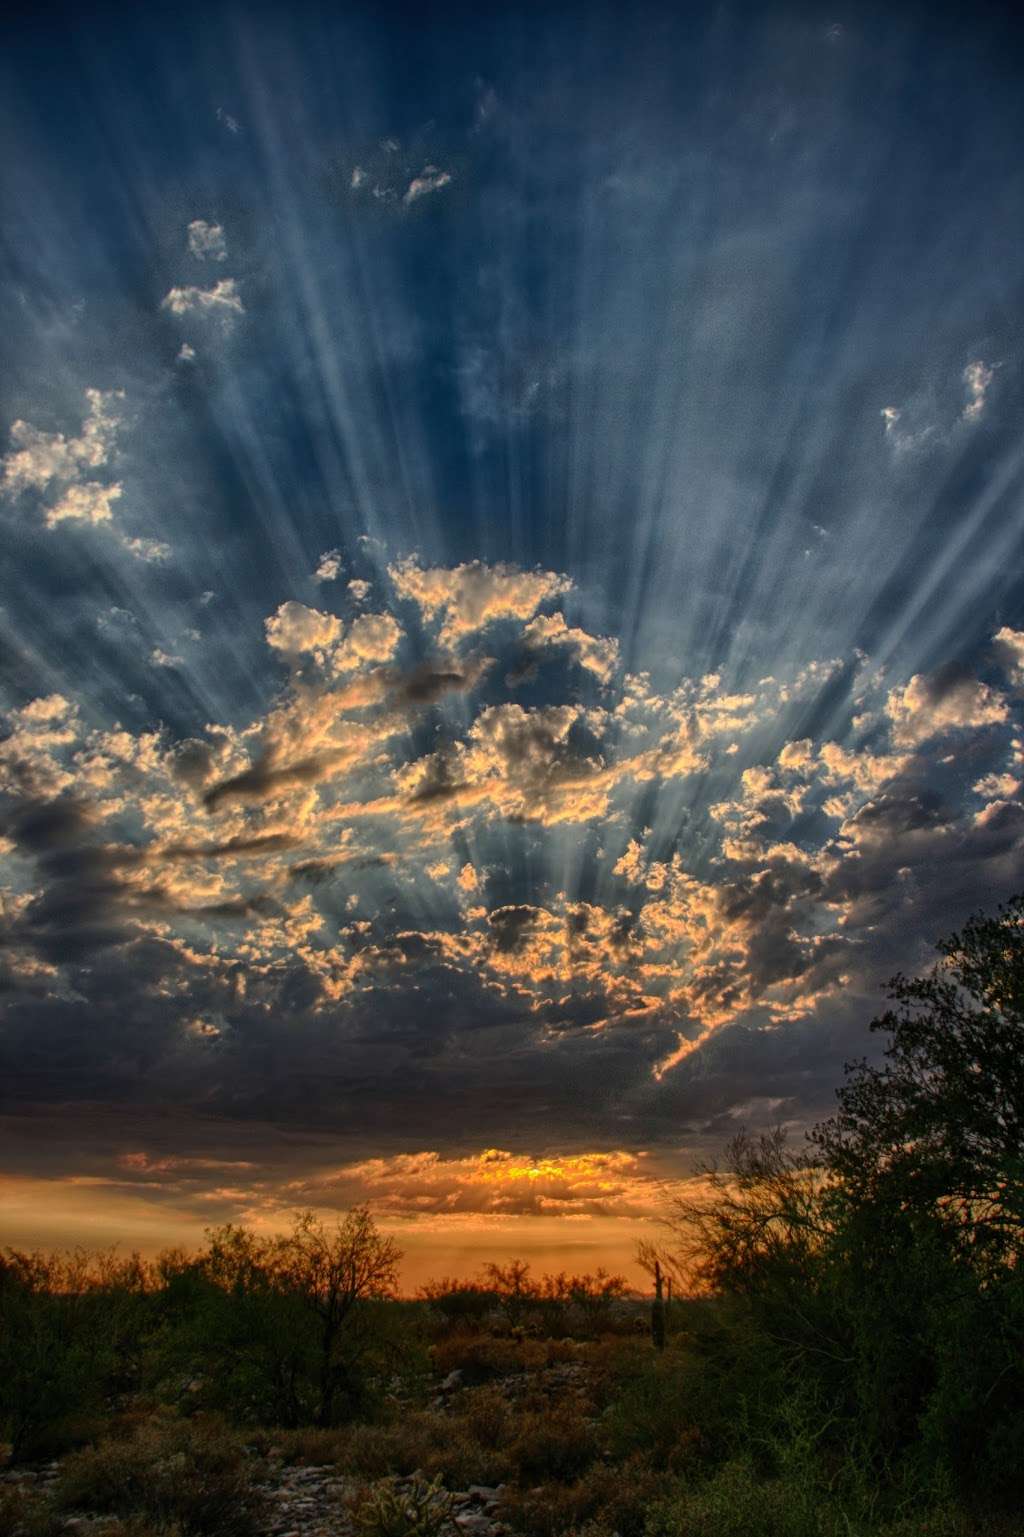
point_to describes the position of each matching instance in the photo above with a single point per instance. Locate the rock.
(473, 1524)
(453, 1380)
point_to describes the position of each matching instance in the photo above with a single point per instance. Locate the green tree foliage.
(286, 1330)
(938, 1130)
(69, 1329)
(871, 1285)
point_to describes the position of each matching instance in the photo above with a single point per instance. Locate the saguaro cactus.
(658, 1310)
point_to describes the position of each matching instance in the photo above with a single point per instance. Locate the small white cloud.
(230, 123)
(86, 502)
(358, 177)
(206, 241)
(1009, 648)
(150, 550)
(977, 377)
(359, 589)
(186, 354)
(904, 439)
(161, 658)
(430, 179)
(222, 299)
(295, 629)
(118, 621)
(997, 786)
(467, 879)
(329, 567)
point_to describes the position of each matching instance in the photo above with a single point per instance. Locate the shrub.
(614, 1499)
(28, 1513)
(412, 1510)
(71, 1334)
(487, 1417)
(735, 1503)
(190, 1472)
(661, 1405)
(556, 1443)
(480, 1357)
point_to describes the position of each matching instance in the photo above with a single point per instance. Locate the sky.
(512, 599)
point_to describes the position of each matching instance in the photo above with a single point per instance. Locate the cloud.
(471, 596)
(467, 880)
(153, 551)
(390, 859)
(370, 638)
(221, 301)
(39, 460)
(295, 629)
(977, 377)
(1009, 649)
(498, 1182)
(206, 241)
(86, 501)
(430, 179)
(598, 654)
(948, 700)
(328, 567)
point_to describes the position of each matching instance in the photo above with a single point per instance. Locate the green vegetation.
(847, 1359)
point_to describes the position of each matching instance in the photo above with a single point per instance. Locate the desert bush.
(419, 1509)
(612, 1498)
(191, 1472)
(734, 1502)
(28, 1513)
(555, 1443)
(480, 1357)
(456, 1304)
(434, 1444)
(486, 1416)
(377, 1451)
(659, 1405)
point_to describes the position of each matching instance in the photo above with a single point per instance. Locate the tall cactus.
(658, 1311)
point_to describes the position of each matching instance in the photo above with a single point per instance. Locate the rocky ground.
(309, 1501)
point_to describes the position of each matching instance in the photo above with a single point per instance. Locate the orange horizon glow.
(449, 1217)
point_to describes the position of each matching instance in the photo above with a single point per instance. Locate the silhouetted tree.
(938, 1129)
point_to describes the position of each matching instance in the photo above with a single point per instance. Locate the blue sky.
(512, 605)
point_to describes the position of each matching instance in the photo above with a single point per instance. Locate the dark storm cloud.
(431, 680)
(233, 848)
(263, 779)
